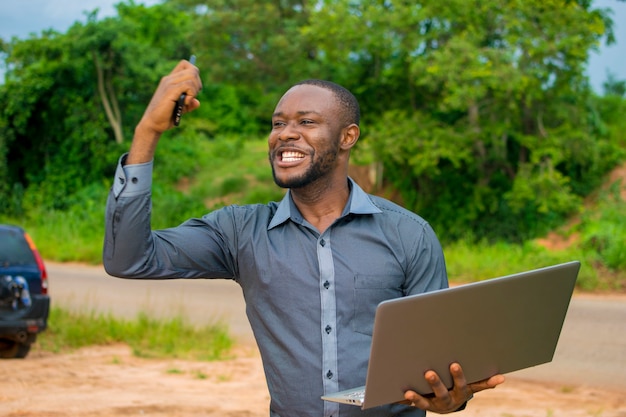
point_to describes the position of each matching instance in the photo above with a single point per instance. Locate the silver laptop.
(489, 327)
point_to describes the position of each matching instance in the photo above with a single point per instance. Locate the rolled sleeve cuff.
(132, 180)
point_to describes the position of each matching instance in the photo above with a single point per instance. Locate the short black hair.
(351, 110)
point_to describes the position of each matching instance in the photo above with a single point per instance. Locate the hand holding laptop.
(515, 323)
(445, 401)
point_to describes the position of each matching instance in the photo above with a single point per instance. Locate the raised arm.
(130, 247)
(157, 118)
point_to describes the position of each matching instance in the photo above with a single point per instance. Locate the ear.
(349, 137)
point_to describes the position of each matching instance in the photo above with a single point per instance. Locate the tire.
(10, 349)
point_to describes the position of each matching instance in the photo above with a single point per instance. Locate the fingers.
(184, 79)
(191, 103)
(459, 380)
(446, 400)
(188, 82)
(443, 400)
(489, 383)
(415, 400)
(458, 377)
(438, 387)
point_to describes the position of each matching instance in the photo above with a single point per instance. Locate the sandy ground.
(110, 382)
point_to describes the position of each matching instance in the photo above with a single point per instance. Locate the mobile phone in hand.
(178, 108)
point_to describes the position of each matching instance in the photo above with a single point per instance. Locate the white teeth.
(291, 156)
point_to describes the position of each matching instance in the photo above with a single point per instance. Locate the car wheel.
(10, 349)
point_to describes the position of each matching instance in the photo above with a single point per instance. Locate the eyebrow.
(299, 113)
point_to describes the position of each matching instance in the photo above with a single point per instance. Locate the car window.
(14, 249)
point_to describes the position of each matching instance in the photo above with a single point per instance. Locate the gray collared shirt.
(310, 297)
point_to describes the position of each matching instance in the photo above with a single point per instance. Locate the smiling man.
(313, 129)
(312, 267)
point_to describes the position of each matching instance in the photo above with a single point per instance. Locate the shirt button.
(328, 329)
(134, 180)
(326, 284)
(329, 374)
(323, 242)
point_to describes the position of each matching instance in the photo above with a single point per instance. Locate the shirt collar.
(358, 203)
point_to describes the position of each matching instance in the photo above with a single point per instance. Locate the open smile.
(291, 156)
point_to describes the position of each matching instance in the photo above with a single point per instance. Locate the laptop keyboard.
(357, 394)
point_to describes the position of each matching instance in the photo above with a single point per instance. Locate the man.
(312, 268)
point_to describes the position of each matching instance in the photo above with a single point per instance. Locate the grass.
(476, 262)
(148, 337)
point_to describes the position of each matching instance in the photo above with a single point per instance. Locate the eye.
(307, 122)
(277, 123)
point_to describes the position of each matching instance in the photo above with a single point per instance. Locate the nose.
(289, 132)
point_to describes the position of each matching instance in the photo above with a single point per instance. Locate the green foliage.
(613, 86)
(192, 176)
(147, 336)
(479, 112)
(597, 238)
(68, 98)
(74, 234)
(217, 183)
(229, 110)
(608, 242)
(255, 47)
(492, 130)
(603, 233)
(469, 261)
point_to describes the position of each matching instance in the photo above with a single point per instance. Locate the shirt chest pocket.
(369, 291)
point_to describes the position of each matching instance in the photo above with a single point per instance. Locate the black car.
(24, 300)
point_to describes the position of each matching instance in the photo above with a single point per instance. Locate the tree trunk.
(109, 102)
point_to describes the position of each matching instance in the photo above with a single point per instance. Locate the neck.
(322, 204)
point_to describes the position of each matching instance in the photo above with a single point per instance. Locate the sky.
(23, 17)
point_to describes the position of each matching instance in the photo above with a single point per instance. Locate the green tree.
(69, 100)
(481, 109)
(613, 86)
(250, 51)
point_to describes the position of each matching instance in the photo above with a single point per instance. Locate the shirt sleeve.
(132, 180)
(427, 269)
(197, 248)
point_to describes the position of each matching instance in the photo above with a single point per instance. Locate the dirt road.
(110, 382)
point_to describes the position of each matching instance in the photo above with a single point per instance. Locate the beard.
(319, 168)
